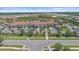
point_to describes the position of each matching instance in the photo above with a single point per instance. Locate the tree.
(59, 32)
(22, 32)
(58, 47)
(70, 34)
(38, 34)
(30, 33)
(66, 48)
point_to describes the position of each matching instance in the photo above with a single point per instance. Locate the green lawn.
(73, 46)
(8, 49)
(67, 46)
(64, 38)
(26, 18)
(15, 37)
(40, 38)
(24, 38)
(17, 46)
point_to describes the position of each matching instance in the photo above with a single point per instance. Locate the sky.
(39, 9)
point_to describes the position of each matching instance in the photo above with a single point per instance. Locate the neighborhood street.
(38, 45)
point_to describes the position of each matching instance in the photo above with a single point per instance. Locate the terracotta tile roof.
(35, 23)
(29, 23)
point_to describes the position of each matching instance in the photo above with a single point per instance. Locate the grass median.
(64, 38)
(12, 37)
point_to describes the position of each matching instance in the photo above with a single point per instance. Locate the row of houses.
(25, 26)
(37, 27)
(73, 28)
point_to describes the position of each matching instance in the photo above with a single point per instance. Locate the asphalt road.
(38, 45)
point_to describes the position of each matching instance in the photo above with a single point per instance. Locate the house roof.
(35, 23)
(29, 23)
